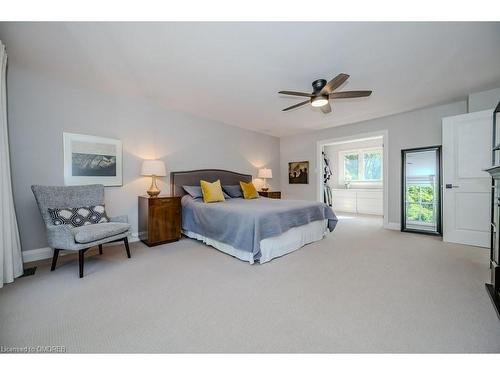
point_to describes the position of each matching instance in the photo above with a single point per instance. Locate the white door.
(467, 144)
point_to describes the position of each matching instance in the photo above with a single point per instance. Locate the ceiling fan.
(323, 92)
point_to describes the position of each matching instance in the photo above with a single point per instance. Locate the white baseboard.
(393, 226)
(47, 252)
(37, 254)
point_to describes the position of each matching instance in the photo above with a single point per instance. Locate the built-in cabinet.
(359, 201)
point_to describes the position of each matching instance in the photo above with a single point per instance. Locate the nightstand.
(159, 219)
(270, 194)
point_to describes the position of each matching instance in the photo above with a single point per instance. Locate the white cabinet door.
(467, 143)
(356, 201)
(344, 201)
(370, 202)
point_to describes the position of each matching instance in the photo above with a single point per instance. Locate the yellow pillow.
(249, 190)
(212, 191)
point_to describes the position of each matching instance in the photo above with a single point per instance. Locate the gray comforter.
(243, 223)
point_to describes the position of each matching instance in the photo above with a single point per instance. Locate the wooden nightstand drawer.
(162, 201)
(159, 219)
(270, 194)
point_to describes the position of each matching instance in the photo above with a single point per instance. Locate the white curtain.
(11, 263)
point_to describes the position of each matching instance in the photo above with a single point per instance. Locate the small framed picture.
(92, 160)
(298, 172)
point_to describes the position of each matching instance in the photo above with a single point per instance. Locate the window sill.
(364, 184)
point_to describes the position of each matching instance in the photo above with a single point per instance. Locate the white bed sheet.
(270, 248)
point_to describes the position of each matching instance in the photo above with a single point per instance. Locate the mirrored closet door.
(421, 190)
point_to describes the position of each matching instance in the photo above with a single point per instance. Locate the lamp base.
(153, 190)
(264, 189)
(153, 194)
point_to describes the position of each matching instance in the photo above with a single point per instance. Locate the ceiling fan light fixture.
(319, 101)
(323, 92)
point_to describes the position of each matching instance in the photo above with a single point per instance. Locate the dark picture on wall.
(298, 172)
(92, 160)
(94, 164)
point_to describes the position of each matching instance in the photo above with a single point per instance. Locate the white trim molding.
(37, 254)
(393, 226)
(42, 253)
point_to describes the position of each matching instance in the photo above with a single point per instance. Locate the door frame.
(385, 166)
(439, 227)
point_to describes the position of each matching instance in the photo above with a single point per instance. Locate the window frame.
(361, 165)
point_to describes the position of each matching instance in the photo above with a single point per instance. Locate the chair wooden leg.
(80, 261)
(100, 249)
(54, 259)
(125, 239)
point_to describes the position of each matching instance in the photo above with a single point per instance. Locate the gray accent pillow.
(195, 192)
(234, 191)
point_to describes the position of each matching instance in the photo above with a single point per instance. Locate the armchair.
(78, 239)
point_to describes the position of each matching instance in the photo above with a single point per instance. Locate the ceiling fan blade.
(334, 83)
(350, 94)
(326, 108)
(296, 93)
(296, 105)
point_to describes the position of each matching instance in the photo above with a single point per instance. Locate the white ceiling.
(231, 72)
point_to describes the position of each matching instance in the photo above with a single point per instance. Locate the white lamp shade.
(153, 168)
(265, 173)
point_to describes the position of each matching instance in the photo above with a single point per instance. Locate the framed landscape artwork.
(298, 172)
(92, 160)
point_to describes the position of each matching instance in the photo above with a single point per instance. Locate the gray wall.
(40, 109)
(407, 130)
(483, 100)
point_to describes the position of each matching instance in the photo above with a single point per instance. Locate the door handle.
(450, 186)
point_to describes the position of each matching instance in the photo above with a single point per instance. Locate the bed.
(255, 230)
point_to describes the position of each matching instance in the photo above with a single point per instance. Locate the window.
(372, 165)
(351, 167)
(420, 204)
(361, 165)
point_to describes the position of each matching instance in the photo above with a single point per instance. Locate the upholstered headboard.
(192, 178)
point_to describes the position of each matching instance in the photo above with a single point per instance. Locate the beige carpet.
(363, 289)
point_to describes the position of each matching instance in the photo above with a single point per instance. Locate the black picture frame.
(439, 230)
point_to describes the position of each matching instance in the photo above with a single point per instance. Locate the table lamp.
(265, 173)
(153, 168)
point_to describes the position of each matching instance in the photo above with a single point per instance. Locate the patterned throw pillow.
(77, 217)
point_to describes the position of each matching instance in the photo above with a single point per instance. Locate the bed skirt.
(273, 247)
